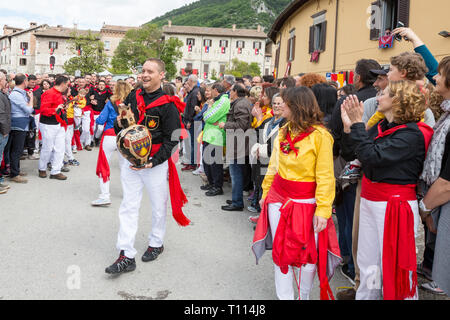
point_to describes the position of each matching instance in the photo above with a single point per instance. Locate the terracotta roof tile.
(244, 33)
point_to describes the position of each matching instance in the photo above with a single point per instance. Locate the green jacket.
(217, 113)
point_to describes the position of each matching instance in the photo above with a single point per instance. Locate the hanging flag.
(24, 52)
(51, 51)
(206, 49)
(239, 50)
(223, 49)
(205, 75)
(51, 66)
(256, 51)
(190, 48)
(79, 52)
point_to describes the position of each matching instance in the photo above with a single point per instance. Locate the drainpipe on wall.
(335, 35)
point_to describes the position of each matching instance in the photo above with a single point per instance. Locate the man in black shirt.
(163, 121)
(189, 113)
(99, 95)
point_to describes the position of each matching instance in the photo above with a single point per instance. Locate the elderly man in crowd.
(189, 113)
(21, 110)
(5, 124)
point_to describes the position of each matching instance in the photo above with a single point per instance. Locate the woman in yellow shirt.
(298, 193)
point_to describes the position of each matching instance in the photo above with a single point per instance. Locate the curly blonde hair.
(310, 79)
(409, 101)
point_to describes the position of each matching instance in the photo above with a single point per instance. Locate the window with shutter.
(311, 39)
(375, 20)
(277, 55)
(207, 43)
(318, 33)
(403, 11)
(291, 46)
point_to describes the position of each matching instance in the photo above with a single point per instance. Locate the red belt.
(378, 191)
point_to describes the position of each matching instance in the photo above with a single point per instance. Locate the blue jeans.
(344, 213)
(3, 142)
(237, 181)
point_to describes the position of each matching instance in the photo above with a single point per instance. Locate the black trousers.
(30, 141)
(213, 169)
(15, 146)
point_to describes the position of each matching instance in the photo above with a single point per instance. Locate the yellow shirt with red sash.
(301, 167)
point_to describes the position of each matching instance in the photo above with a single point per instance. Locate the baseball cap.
(380, 72)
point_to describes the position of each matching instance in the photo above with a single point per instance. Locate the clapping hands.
(352, 111)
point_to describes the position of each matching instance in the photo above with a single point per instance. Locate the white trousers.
(284, 282)
(98, 129)
(37, 117)
(86, 127)
(69, 136)
(109, 146)
(53, 147)
(370, 247)
(155, 180)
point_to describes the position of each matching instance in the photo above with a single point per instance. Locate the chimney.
(259, 28)
(75, 26)
(234, 27)
(5, 29)
(33, 24)
(170, 23)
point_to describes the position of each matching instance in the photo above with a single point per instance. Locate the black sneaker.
(349, 275)
(206, 187)
(123, 264)
(214, 192)
(152, 253)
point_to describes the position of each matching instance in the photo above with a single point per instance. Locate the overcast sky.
(88, 14)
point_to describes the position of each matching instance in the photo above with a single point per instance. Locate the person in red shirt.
(53, 129)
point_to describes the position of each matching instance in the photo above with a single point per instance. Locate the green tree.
(170, 54)
(240, 68)
(214, 75)
(90, 57)
(140, 44)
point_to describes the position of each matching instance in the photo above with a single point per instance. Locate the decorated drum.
(135, 144)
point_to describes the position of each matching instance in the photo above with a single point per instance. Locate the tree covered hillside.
(246, 14)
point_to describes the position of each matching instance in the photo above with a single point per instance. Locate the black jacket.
(337, 128)
(166, 119)
(101, 97)
(394, 159)
(191, 102)
(5, 114)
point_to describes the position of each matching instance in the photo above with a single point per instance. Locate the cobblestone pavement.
(57, 246)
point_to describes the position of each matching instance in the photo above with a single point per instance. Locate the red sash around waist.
(103, 170)
(294, 242)
(378, 191)
(399, 250)
(282, 190)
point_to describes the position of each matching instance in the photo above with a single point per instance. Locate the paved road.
(56, 246)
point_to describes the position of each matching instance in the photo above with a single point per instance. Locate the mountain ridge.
(245, 14)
